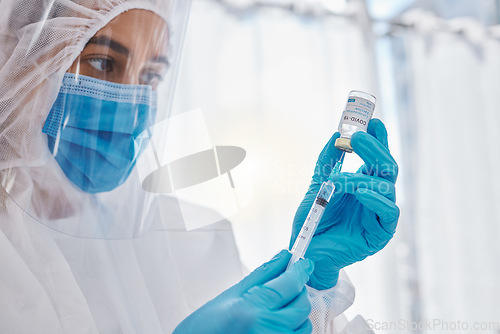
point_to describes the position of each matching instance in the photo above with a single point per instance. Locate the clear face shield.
(107, 79)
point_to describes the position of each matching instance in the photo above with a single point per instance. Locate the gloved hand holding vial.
(346, 217)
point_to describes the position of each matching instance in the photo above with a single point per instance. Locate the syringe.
(311, 223)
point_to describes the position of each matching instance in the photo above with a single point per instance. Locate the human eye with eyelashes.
(101, 64)
(152, 76)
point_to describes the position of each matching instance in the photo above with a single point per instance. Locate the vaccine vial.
(358, 112)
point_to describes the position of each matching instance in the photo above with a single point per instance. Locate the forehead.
(138, 29)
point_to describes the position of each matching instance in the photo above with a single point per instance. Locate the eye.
(151, 78)
(101, 64)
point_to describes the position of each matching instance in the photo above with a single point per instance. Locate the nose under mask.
(97, 129)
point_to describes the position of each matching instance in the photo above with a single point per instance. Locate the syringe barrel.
(307, 232)
(311, 223)
(326, 191)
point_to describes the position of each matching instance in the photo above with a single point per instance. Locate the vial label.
(358, 112)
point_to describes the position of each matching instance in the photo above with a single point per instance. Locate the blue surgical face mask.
(96, 130)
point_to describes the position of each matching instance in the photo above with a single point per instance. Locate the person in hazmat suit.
(84, 249)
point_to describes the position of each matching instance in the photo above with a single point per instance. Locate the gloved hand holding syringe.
(356, 116)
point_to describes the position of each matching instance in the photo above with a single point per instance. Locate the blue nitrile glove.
(269, 300)
(361, 216)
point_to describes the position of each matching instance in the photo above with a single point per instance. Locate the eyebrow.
(106, 41)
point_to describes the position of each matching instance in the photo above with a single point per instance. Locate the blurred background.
(272, 77)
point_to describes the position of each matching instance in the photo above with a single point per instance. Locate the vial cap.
(343, 144)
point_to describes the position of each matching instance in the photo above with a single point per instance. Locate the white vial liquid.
(357, 114)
